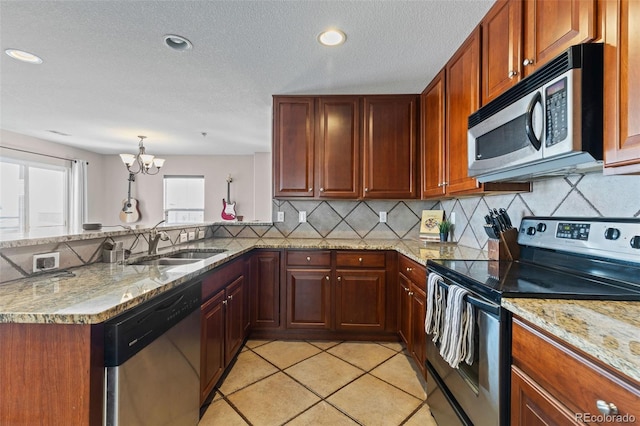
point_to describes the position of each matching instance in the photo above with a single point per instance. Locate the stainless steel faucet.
(155, 237)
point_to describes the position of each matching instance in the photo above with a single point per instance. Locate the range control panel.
(614, 238)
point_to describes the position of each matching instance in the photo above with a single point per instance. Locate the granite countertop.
(94, 293)
(606, 330)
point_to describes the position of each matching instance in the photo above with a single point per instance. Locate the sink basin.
(184, 257)
(193, 254)
(166, 261)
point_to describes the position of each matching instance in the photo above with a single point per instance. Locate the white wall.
(148, 190)
(95, 170)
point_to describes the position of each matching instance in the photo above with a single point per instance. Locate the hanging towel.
(458, 329)
(435, 304)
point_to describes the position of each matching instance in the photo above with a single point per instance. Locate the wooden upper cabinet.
(293, 146)
(432, 142)
(622, 87)
(390, 154)
(462, 99)
(338, 147)
(551, 26)
(501, 48)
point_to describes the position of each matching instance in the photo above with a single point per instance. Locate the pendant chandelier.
(146, 163)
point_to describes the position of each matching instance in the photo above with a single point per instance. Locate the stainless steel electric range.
(561, 258)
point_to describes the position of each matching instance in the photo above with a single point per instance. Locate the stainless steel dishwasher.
(152, 361)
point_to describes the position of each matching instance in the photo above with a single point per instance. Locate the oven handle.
(480, 304)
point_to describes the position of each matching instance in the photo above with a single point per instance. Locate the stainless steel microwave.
(549, 123)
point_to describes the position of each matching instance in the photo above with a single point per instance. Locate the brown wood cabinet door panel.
(212, 353)
(501, 48)
(390, 162)
(531, 405)
(293, 150)
(235, 294)
(307, 258)
(622, 87)
(432, 112)
(360, 300)
(404, 310)
(551, 26)
(309, 298)
(463, 98)
(418, 335)
(338, 148)
(265, 312)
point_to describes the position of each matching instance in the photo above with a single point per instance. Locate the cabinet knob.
(606, 408)
(410, 293)
(527, 62)
(230, 297)
(308, 258)
(406, 290)
(310, 189)
(224, 302)
(327, 278)
(360, 259)
(442, 184)
(409, 269)
(339, 278)
(321, 189)
(366, 190)
(512, 73)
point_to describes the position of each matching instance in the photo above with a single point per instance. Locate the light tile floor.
(320, 383)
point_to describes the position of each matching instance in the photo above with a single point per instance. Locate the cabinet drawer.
(363, 259)
(414, 271)
(221, 277)
(577, 381)
(308, 258)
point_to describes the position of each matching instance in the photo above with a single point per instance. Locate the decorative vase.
(444, 236)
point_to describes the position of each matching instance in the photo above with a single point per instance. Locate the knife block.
(505, 248)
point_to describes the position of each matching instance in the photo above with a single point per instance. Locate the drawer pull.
(606, 408)
(310, 189)
(327, 278)
(339, 278)
(308, 258)
(360, 259)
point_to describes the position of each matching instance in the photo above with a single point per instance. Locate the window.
(33, 198)
(183, 199)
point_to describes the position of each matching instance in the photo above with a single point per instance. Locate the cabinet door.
(622, 87)
(418, 347)
(360, 300)
(338, 147)
(390, 162)
(235, 294)
(309, 298)
(212, 362)
(432, 112)
(293, 145)
(551, 26)
(404, 310)
(463, 98)
(265, 275)
(501, 48)
(531, 405)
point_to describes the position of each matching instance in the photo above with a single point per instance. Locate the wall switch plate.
(201, 233)
(192, 235)
(46, 261)
(280, 217)
(183, 237)
(302, 217)
(383, 217)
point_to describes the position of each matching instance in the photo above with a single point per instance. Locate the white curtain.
(79, 204)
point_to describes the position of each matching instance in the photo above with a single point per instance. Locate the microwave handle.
(537, 99)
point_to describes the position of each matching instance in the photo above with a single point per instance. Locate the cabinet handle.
(442, 184)
(310, 189)
(409, 269)
(339, 279)
(406, 290)
(321, 189)
(410, 293)
(512, 73)
(360, 259)
(308, 258)
(230, 297)
(527, 62)
(366, 190)
(606, 408)
(224, 302)
(327, 278)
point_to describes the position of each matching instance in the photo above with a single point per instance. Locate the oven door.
(476, 389)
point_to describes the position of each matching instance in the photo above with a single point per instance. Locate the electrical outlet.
(452, 218)
(302, 217)
(46, 261)
(192, 235)
(201, 233)
(280, 217)
(183, 237)
(383, 217)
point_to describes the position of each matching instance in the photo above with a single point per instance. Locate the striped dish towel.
(435, 306)
(457, 336)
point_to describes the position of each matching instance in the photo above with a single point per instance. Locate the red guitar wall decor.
(228, 208)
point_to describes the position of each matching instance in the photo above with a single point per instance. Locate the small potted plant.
(444, 227)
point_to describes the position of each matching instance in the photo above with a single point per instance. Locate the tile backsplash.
(579, 195)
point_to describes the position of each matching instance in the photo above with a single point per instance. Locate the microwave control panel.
(556, 112)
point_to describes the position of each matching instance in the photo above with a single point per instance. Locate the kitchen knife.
(502, 226)
(506, 218)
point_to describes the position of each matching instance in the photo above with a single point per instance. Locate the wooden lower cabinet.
(309, 298)
(412, 281)
(212, 349)
(418, 336)
(265, 293)
(360, 300)
(553, 383)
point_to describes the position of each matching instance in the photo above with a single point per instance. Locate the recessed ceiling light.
(23, 56)
(332, 37)
(177, 42)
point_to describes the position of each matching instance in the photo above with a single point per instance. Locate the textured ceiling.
(107, 76)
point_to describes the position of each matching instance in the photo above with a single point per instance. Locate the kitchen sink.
(165, 261)
(193, 254)
(183, 257)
